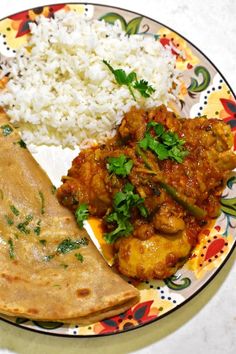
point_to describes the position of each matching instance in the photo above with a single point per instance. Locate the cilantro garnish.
(123, 202)
(22, 227)
(42, 202)
(144, 89)
(14, 210)
(22, 144)
(6, 130)
(68, 245)
(10, 222)
(79, 257)
(11, 249)
(121, 165)
(53, 189)
(81, 214)
(165, 144)
(130, 80)
(37, 228)
(43, 242)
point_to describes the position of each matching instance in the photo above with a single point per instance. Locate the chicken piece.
(169, 224)
(133, 124)
(157, 257)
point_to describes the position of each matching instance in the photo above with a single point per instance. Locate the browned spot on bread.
(33, 311)
(9, 277)
(83, 292)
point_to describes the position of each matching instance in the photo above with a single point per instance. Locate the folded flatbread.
(49, 268)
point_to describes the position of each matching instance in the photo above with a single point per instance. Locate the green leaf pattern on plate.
(195, 86)
(184, 282)
(132, 27)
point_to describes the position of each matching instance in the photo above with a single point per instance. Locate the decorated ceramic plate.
(203, 91)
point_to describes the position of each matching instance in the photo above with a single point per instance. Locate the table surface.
(208, 322)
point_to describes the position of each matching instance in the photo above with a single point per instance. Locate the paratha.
(49, 268)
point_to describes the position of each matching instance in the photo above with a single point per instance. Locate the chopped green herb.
(22, 226)
(144, 89)
(37, 228)
(81, 214)
(143, 211)
(69, 245)
(120, 165)
(42, 202)
(54, 189)
(123, 227)
(22, 144)
(64, 265)
(10, 222)
(165, 144)
(130, 80)
(29, 218)
(6, 130)
(79, 257)
(11, 249)
(43, 242)
(122, 204)
(14, 210)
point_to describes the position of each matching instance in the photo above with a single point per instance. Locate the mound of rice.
(61, 93)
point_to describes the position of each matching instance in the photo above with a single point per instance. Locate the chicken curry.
(155, 185)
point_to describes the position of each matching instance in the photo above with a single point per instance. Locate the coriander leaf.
(22, 144)
(178, 153)
(159, 149)
(11, 249)
(10, 222)
(122, 203)
(124, 228)
(43, 242)
(131, 77)
(42, 202)
(37, 228)
(165, 144)
(120, 76)
(143, 211)
(68, 245)
(121, 165)
(6, 130)
(130, 80)
(170, 138)
(22, 226)
(53, 189)
(158, 128)
(144, 89)
(14, 210)
(144, 143)
(79, 257)
(81, 214)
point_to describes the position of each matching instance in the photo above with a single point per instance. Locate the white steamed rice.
(61, 93)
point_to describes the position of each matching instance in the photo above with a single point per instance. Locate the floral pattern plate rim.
(203, 91)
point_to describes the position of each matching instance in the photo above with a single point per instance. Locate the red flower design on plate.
(131, 318)
(230, 110)
(26, 17)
